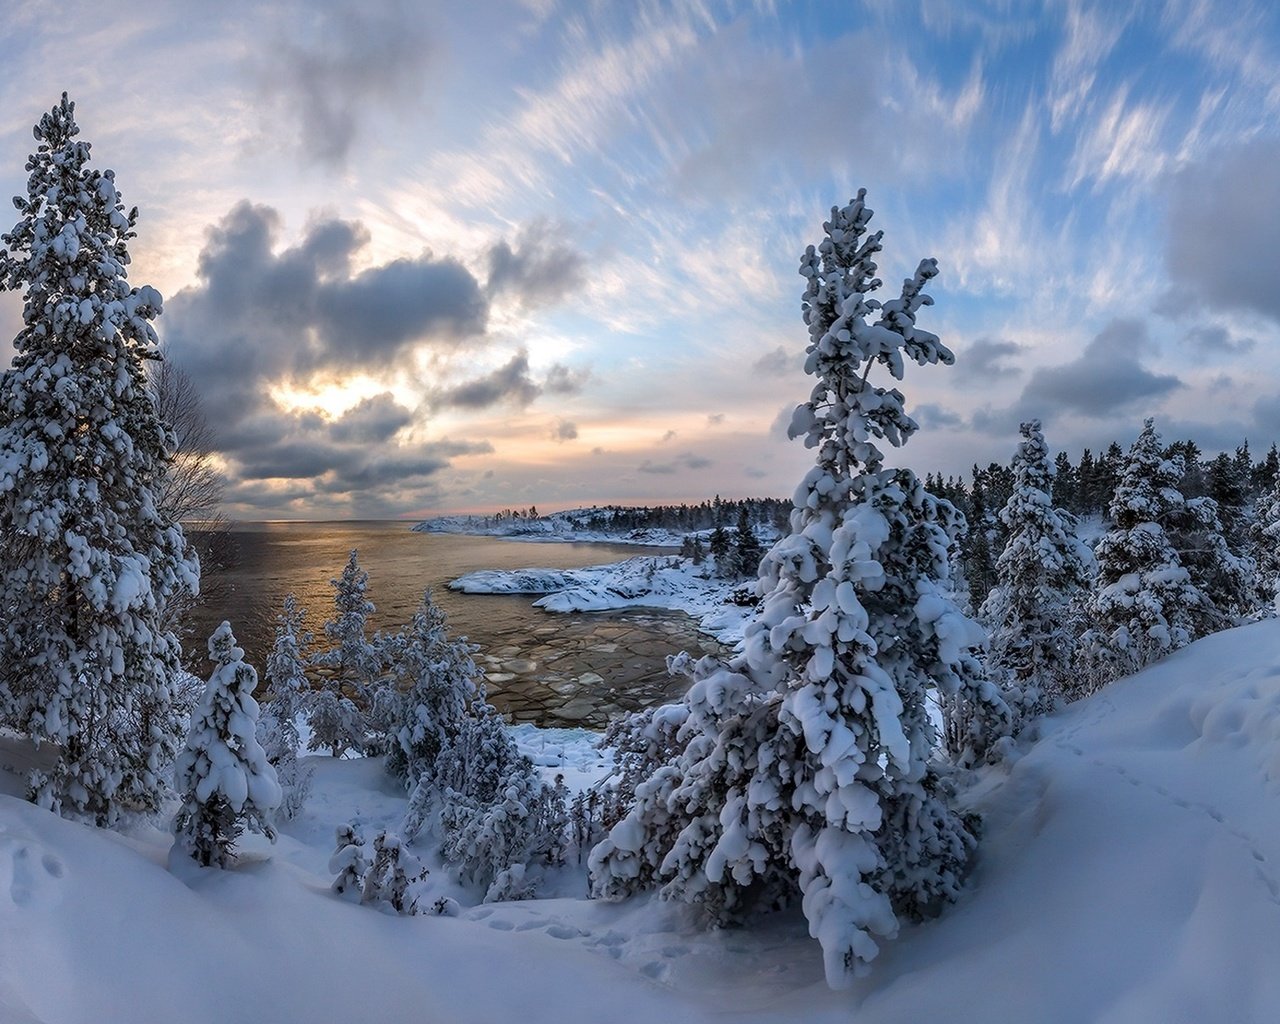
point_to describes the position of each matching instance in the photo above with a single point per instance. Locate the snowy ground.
(645, 582)
(1130, 873)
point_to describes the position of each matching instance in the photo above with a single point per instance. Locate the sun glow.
(330, 398)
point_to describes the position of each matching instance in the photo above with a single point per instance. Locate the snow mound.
(1129, 872)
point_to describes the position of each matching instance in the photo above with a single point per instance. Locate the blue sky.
(441, 256)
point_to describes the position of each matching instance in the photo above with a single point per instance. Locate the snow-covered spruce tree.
(1145, 602)
(808, 759)
(350, 668)
(89, 562)
(1040, 573)
(290, 693)
(437, 676)
(223, 775)
(1265, 537)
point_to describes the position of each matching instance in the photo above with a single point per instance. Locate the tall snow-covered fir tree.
(1265, 536)
(89, 562)
(223, 775)
(1146, 601)
(1040, 573)
(438, 676)
(352, 666)
(290, 694)
(808, 760)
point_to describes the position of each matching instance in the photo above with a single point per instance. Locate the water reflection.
(553, 670)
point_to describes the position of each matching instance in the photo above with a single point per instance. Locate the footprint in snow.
(32, 875)
(564, 931)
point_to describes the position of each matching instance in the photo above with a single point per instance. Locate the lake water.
(550, 669)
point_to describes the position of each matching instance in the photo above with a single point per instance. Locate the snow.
(575, 525)
(1129, 872)
(647, 581)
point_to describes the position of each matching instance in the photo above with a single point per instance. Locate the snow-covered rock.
(647, 581)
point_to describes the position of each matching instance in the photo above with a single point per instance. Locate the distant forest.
(1233, 480)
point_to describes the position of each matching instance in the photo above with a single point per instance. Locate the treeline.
(1235, 481)
(682, 518)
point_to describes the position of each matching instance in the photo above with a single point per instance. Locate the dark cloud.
(540, 269)
(1106, 377)
(1210, 343)
(985, 358)
(1266, 412)
(564, 431)
(371, 421)
(714, 419)
(337, 66)
(776, 362)
(998, 422)
(685, 460)
(781, 425)
(1224, 218)
(260, 316)
(509, 383)
(373, 315)
(936, 416)
(564, 380)
(670, 435)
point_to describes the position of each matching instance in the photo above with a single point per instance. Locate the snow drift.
(1129, 872)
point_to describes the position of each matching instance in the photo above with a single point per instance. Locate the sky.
(435, 257)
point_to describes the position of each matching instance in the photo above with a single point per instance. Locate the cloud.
(371, 421)
(986, 358)
(670, 435)
(1105, 378)
(564, 380)
(936, 416)
(714, 419)
(683, 461)
(1224, 218)
(261, 316)
(509, 383)
(323, 80)
(540, 270)
(778, 361)
(1210, 343)
(564, 430)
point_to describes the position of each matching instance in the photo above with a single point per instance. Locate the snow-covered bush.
(393, 877)
(807, 762)
(89, 563)
(336, 723)
(222, 775)
(498, 817)
(290, 693)
(1040, 574)
(348, 863)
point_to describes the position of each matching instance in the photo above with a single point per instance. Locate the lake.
(549, 669)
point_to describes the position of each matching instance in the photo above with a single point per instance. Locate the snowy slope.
(1130, 873)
